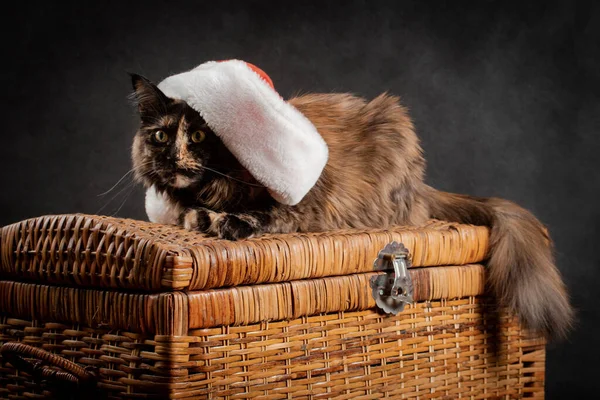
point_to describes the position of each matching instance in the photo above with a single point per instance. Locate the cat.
(374, 178)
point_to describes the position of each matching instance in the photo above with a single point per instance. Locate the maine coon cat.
(373, 178)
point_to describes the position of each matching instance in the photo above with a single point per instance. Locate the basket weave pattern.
(440, 349)
(93, 251)
(278, 317)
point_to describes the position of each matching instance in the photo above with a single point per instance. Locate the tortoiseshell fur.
(373, 178)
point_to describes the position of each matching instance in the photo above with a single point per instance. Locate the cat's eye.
(160, 137)
(198, 136)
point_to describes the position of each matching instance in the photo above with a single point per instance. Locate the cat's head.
(174, 147)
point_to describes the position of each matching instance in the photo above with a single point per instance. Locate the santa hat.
(278, 145)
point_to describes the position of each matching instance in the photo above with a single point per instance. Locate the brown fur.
(373, 178)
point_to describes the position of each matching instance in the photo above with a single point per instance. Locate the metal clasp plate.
(392, 291)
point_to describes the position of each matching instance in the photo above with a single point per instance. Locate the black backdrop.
(505, 98)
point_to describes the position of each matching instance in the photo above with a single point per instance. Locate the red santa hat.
(278, 145)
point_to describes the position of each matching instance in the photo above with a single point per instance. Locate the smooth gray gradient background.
(505, 97)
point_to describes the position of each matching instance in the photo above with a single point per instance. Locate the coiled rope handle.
(20, 355)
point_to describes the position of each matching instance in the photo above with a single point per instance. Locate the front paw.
(232, 227)
(198, 219)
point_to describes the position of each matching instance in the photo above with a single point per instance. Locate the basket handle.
(20, 355)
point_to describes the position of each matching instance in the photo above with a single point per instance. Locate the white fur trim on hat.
(278, 145)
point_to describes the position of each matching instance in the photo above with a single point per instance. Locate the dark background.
(505, 97)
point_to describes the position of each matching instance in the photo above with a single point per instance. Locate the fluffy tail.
(521, 270)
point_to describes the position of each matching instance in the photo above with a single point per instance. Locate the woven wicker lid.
(104, 252)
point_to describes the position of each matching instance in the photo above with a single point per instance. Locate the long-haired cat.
(373, 178)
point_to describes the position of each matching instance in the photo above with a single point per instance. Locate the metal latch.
(392, 291)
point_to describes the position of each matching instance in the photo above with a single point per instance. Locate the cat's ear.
(150, 100)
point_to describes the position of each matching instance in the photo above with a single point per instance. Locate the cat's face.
(173, 146)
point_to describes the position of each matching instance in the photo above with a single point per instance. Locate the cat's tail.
(521, 270)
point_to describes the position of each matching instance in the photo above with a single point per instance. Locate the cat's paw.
(232, 227)
(198, 219)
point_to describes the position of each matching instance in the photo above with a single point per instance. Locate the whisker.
(116, 184)
(231, 177)
(123, 177)
(124, 201)
(129, 185)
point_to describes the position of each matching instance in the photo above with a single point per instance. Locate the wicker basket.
(126, 309)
